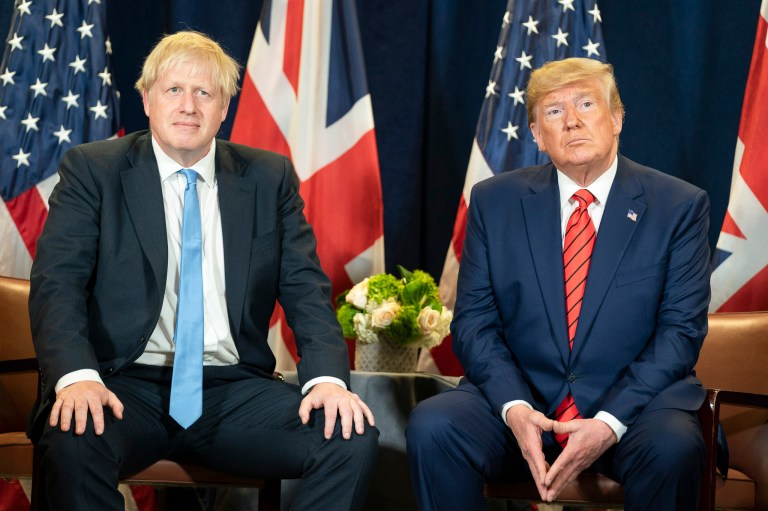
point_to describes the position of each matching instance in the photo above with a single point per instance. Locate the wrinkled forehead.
(189, 69)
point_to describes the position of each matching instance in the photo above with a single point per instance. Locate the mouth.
(186, 125)
(578, 141)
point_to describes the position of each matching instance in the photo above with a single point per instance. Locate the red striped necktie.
(577, 253)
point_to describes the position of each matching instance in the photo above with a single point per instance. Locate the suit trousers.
(249, 426)
(456, 443)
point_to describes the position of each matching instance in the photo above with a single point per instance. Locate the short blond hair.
(559, 73)
(186, 46)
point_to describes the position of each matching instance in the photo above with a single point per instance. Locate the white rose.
(383, 316)
(358, 295)
(428, 319)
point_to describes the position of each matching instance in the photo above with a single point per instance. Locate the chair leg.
(269, 495)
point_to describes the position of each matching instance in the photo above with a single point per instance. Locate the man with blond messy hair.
(155, 278)
(581, 309)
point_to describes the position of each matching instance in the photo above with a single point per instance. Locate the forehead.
(592, 87)
(189, 70)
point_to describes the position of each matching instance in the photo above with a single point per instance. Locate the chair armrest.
(709, 416)
(18, 366)
(741, 399)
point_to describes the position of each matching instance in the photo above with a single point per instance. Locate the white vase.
(385, 356)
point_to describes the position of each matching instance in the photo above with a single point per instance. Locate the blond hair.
(559, 73)
(187, 46)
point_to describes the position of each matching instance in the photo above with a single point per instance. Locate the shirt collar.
(599, 188)
(167, 166)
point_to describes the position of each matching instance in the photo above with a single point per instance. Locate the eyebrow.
(577, 96)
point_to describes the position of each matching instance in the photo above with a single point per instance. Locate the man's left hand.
(337, 401)
(588, 439)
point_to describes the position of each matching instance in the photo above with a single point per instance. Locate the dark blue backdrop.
(681, 66)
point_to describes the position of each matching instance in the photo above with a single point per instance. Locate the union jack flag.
(305, 95)
(740, 276)
(57, 91)
(533, 32)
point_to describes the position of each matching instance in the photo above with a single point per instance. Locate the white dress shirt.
(219, 348)
(600, 188)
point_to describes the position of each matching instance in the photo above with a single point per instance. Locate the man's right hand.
(527, 426)
(79, 399)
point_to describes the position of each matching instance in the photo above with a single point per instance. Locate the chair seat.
(736, 492)
(15, 455)
(170, 473)
(589, 487)
(16, 461)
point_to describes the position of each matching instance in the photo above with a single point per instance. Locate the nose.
(188, 103)
(571, 118)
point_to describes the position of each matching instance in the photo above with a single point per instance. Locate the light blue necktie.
(187, 384)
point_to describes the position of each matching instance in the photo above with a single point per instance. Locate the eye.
(201, 92)
(174, 90)
(552, 112)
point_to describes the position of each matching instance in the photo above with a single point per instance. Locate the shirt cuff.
(76, 376)
(509, 405)
(614, 423)
(322, 379)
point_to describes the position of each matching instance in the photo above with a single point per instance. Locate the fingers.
(115, 405)
(564, 427)
(331, 409)
(338, 403)
(75, 402)
(304, 408)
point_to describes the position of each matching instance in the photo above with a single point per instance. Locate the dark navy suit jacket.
(644, 314)
(99, 275)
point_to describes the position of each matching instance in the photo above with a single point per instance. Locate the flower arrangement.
(408, 311)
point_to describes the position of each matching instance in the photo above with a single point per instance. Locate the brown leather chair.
(734, 357)
(18, 392)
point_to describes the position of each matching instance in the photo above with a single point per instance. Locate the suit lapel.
(613, 237)
(144, 200)
(237, 203)
(541, 211)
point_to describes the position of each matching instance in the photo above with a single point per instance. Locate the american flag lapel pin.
(632, 215)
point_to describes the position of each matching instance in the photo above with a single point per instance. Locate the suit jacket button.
(109, 370)
(572, 378)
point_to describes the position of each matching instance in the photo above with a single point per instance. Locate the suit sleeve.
(681, 325)
(478, 338)
(305, 291)
(64, 262)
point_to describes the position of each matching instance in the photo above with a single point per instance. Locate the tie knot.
(584, 197)
(191, 176)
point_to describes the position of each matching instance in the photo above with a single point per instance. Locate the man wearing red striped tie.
(581, 309)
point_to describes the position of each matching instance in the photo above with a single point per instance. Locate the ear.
(537, 138)
(145, 100)
(224, 110)
(618, 122)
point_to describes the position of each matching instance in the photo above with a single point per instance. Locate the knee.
(680, 451)
(360, 450)
(429, 428)
(62, 451)
(673, 450)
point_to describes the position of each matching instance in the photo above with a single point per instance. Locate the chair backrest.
(18, 391)
(735, 353)
(734, 357)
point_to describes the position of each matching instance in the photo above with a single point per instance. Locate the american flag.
(57, 91)
(305, 95)
(740, 276)
(533, 32)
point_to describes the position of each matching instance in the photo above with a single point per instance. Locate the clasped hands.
(588, 440)
(75, 401)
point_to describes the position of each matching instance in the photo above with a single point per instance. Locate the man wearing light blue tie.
(155, 278)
